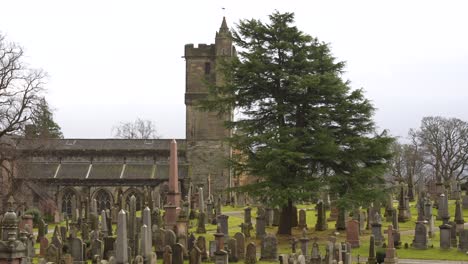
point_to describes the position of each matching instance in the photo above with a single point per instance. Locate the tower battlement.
(201, 50)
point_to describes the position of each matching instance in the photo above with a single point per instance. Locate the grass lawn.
(284, 242)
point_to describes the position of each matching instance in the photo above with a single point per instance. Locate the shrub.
(36, 215)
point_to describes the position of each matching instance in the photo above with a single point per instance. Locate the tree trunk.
(285, 224)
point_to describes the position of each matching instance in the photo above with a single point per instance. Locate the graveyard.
(210, 231)
(282, 162)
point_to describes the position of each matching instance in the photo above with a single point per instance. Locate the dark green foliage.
(300, 126)
(42, 122)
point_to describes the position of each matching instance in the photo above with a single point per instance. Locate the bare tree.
(407, 165)
(20, 88)
(445, 145)
(139, 129)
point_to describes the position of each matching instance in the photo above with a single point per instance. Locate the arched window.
(138, 200)
(103, 200)
(67, 198)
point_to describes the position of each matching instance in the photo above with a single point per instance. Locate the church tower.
(205, 131)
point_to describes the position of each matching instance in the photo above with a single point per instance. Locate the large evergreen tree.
(42, 122)
(300, 126)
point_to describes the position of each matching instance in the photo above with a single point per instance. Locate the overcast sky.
(113, 61)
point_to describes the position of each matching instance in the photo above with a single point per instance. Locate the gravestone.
(465, 200)
(269, 249)
(260, 227)
(341, 220)
(248, 215)
(371, 258)
(109, 243)
(44, 244)
(178, 253)
(315, 257)
(352, 233)
(304, 240)
(201, 223)
(240, 240)
(463, 244)
(195, 255)
(420, 236)
(301, 259)
(167, 255)
(121, 248)
(427, 209)
(403, 215)
(390, 253)
(52, 254)
(211, 249)
(443, 210)
(321, 224)
(159, 240)
(223, 224)
(170, 238)
(233, 251)
(251, 254)
(453, 234)
(201, 244)
(276, 217)
(302, 219)
(445, 242)
(77, 249)
(333, 213)
(97, 248)
(377, 230)
(459, 221)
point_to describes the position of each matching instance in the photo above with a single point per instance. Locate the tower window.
(207, 68)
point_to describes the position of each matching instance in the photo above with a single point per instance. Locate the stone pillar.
(173, 196)
(121, 250)
(390, 253)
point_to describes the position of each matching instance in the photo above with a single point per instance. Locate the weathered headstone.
(97, 248)
(341, 220)
(77, 250)
(178, 253)
(459, 221)
(443, 210)
(302, 219)
(251, 254)
(260, 227)
(201, 223)
(167, 255)
(195, 255)
(269, 250)
(240, 240)
(403, 215)
(420, 236)
(223, 224)
(377, 230)
(304, 240)
(321, 224)
(315, 257)
(201, 244)
(463, 244)
(445, 236)
(233, 252)
(352, 233)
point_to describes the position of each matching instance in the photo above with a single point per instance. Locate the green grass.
(284, 247)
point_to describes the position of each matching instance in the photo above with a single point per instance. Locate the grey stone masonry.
(121, 244)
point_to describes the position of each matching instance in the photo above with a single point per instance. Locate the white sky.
(112, 61)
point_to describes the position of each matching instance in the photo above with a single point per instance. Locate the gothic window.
(67, 198)
(103, 200)
(138, 200)
(207, 68)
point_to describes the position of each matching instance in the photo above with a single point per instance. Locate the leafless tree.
(20, 91)
(139, 129)
(445, 145)
(407, 165)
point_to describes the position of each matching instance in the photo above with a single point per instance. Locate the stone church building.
(56, 175)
